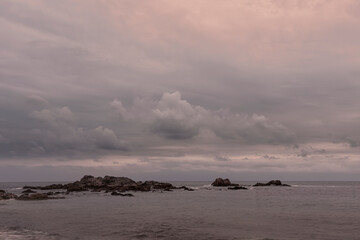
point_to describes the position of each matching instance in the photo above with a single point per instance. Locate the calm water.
(308, 210)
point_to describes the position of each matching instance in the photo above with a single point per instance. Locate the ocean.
(307, 210)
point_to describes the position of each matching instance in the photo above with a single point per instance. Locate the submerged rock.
(186, 188)
(237, 188)
(28, 191)
(32, 197)
(122, 194)
(272, 183)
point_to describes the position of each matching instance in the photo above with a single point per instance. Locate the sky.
(180, 90)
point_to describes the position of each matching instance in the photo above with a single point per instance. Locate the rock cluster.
(116, 186)
(33, 196)
(107, 184)
(272, 183)
(5, 195)
(220, 182)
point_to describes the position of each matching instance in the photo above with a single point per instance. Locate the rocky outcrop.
(271, 183)
(107, 184)
(29, 195)
(220, 182)
(27, 191)
(6, 195)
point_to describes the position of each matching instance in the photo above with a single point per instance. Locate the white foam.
(20, 234)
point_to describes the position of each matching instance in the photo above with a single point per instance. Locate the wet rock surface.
(237, 188)
(6, 195)
(27, 191)
(122, 194)
(186, 188)
(33, 196)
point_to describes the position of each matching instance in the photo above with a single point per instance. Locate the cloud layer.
(205, 86)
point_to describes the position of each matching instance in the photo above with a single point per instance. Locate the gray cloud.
(270, 157)
(106, 138)
(172, 117)
(303, 153)
(221, 158)
(352, 142)
(82, 80)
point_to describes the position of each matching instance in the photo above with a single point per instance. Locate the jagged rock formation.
(220, 182)
(107, 184)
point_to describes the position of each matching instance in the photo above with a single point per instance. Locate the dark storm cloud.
(92, 79)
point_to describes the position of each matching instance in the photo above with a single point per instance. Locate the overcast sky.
(180, 90)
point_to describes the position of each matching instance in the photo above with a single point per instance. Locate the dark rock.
(52, 186)
(107, 184)
(271, 183)
(117, 181)
(219, 182)
(75, 187)
(237, 188)
(91, 181)
(127, 195)
(186, 188)
(122, 194)
(28, 191)
(96, 190)
(5, 195)
(260, 184)
(34, 196)
(275, 183)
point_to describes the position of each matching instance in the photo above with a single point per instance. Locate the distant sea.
(305, 211)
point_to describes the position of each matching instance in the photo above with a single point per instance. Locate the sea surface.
(307, 210)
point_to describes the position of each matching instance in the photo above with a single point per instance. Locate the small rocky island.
(220, 182)
(116, 186)
(272, 183)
